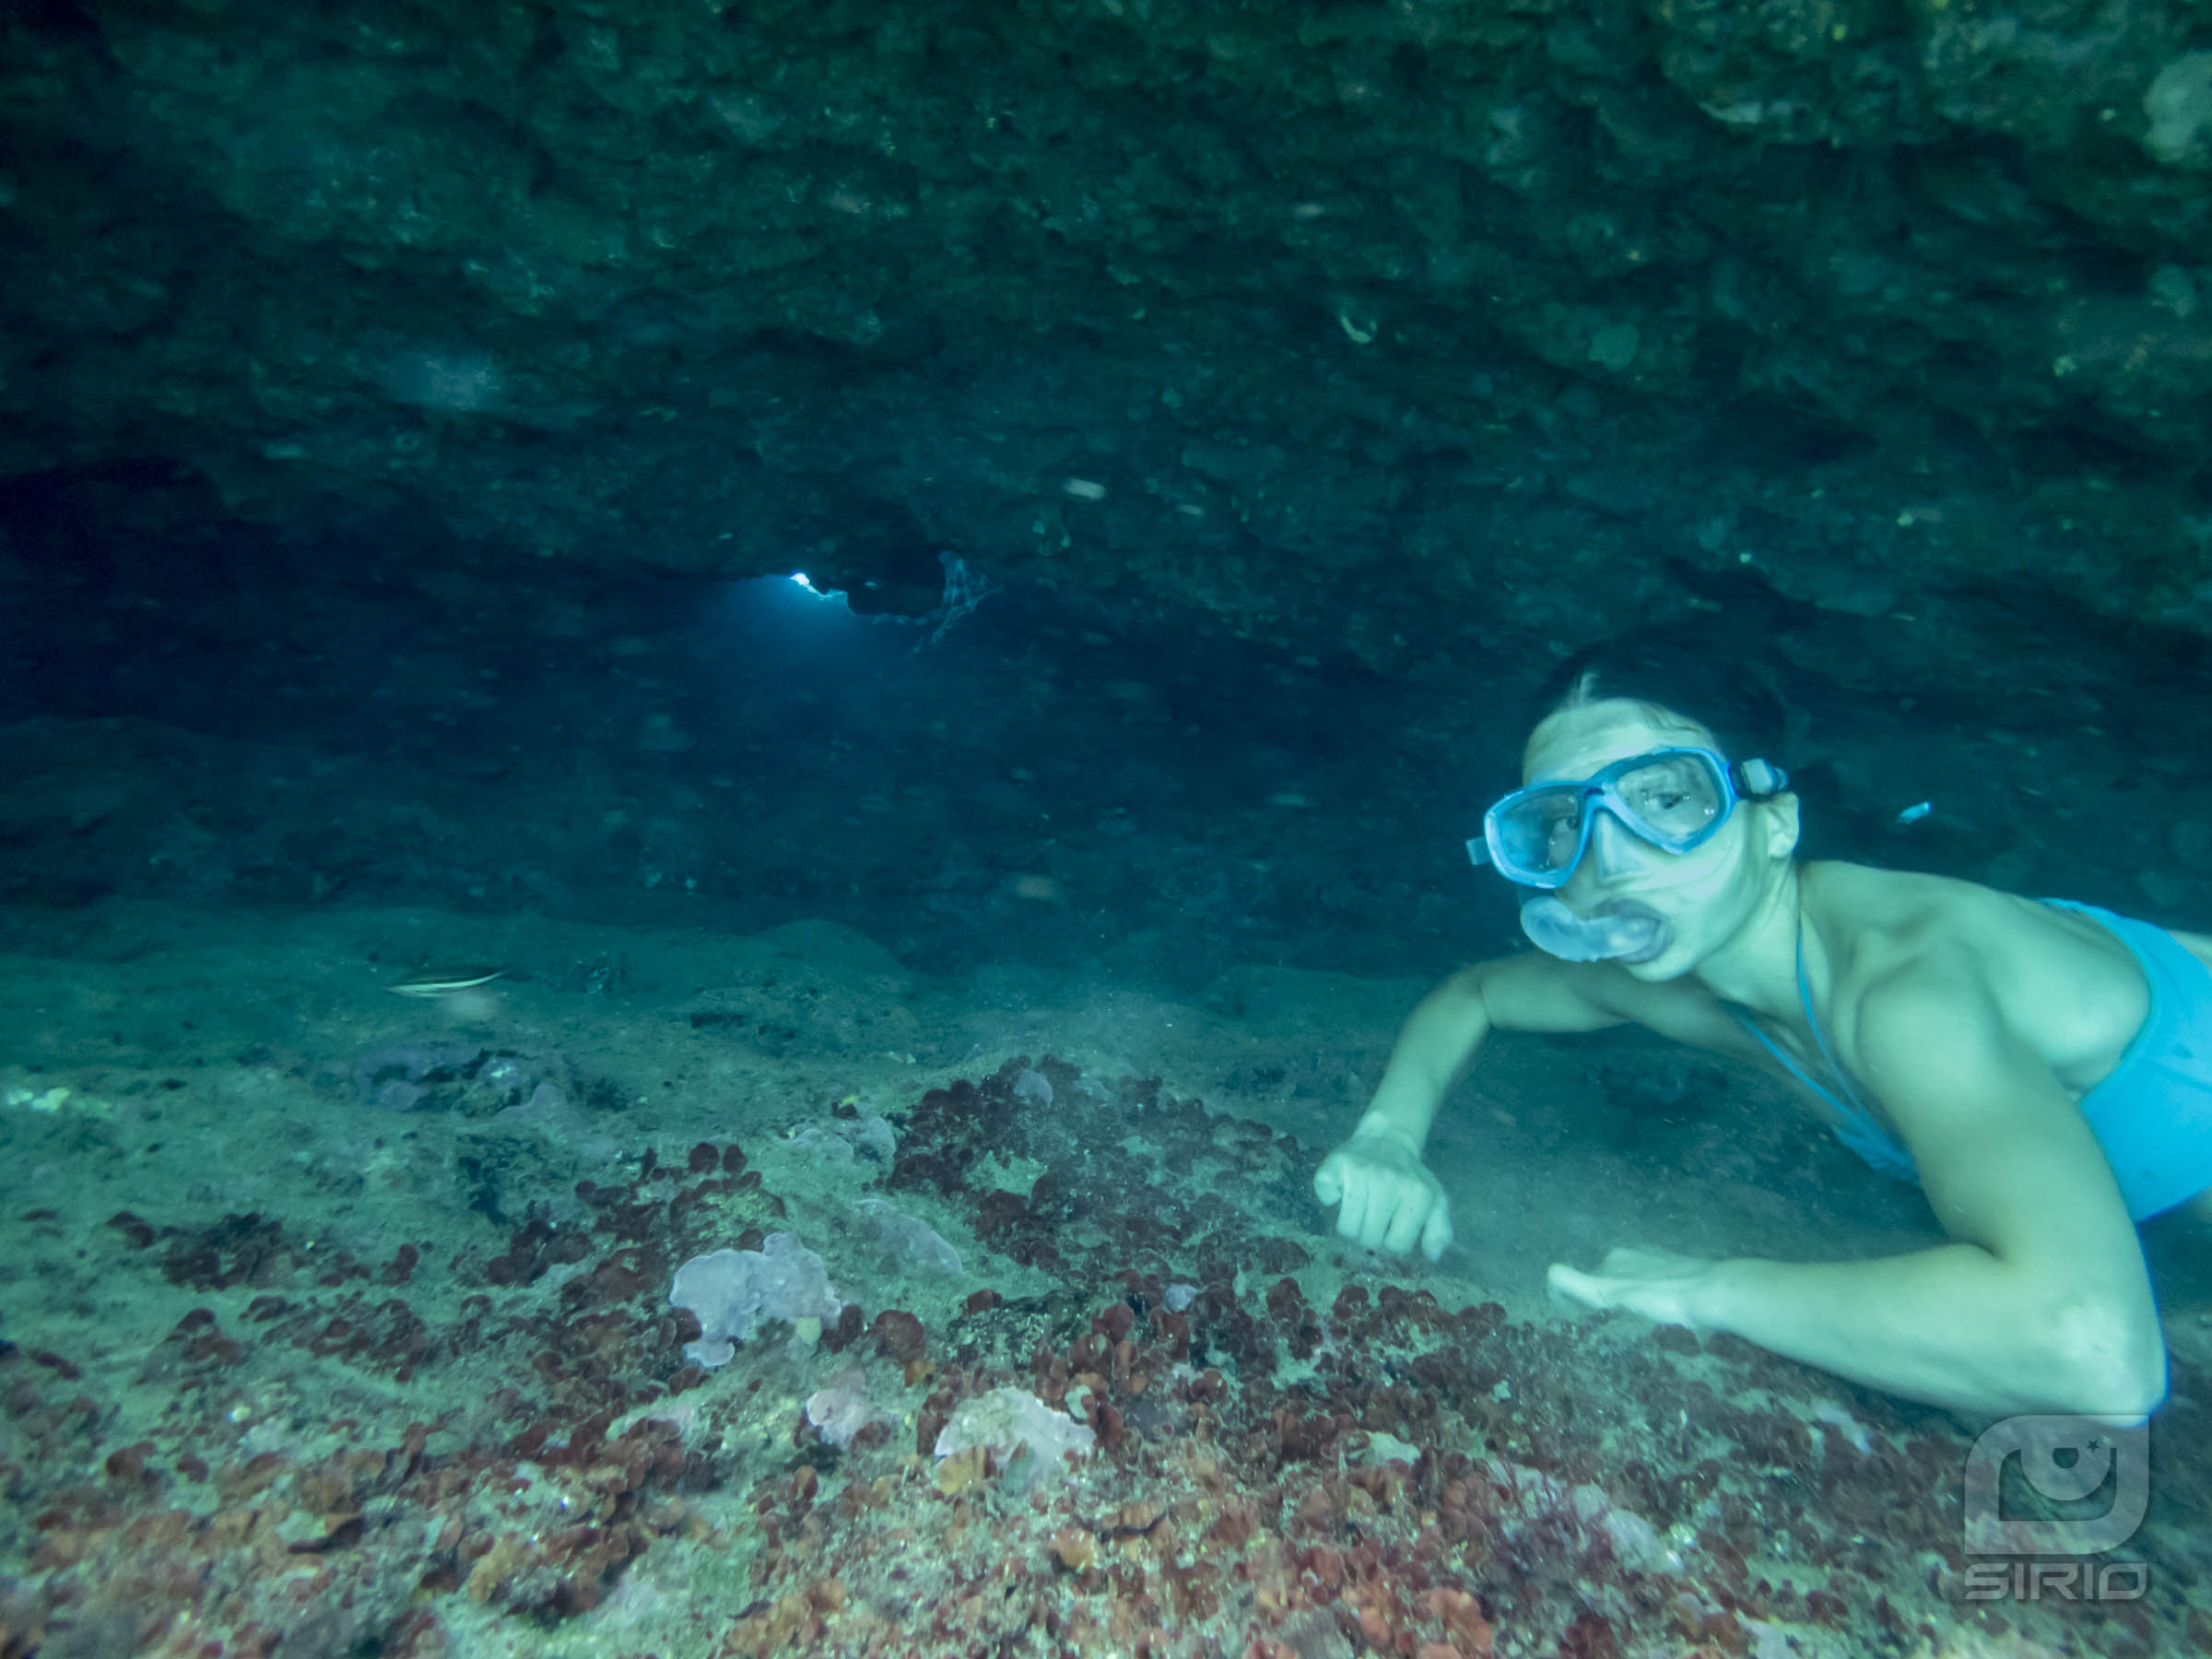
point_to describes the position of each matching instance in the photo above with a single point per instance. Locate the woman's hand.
(1390, 1199)
(1673, 1290)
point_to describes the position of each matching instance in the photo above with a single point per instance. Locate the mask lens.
(1542, 832)
(1675, 796)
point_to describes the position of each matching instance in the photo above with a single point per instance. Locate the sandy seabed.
(337, 1324)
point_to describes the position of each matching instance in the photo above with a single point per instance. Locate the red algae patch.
(1237, 1470)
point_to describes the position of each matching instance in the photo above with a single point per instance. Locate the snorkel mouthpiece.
(1635, 934)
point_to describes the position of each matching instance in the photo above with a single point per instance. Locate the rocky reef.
(1433, 331)
(332, 1454)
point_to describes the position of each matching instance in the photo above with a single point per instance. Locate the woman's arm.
(1388, 1198)
(2041, 1301)
(1442, 1036)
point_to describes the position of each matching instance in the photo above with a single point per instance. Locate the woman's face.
(1703, 895)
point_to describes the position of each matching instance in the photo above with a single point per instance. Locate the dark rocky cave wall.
(1430, 331)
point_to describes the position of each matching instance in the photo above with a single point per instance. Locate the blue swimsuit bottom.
(2152, 1114)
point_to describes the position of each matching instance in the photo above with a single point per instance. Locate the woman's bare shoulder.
(1909, 903)
(1902, 907)
(1906, 922)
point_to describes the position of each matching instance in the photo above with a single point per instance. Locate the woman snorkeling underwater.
(2043, 1068)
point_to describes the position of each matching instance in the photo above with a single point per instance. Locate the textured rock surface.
(1424, 329)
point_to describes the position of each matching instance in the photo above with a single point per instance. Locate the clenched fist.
(1390, 1200)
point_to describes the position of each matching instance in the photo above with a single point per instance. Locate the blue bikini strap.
(1804, 995)
(1860, 1129)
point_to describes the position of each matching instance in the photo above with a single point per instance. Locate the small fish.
(1913, 814)
(445, 981)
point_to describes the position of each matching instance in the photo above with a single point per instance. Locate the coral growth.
(729, 1291)
(1236, 1469)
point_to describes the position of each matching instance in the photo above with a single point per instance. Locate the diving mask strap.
(1757, 779)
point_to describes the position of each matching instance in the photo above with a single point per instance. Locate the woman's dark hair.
(1700, 680)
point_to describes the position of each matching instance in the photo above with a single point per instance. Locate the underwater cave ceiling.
(1433, 331)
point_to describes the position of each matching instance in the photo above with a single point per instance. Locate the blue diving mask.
(1673, 799)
